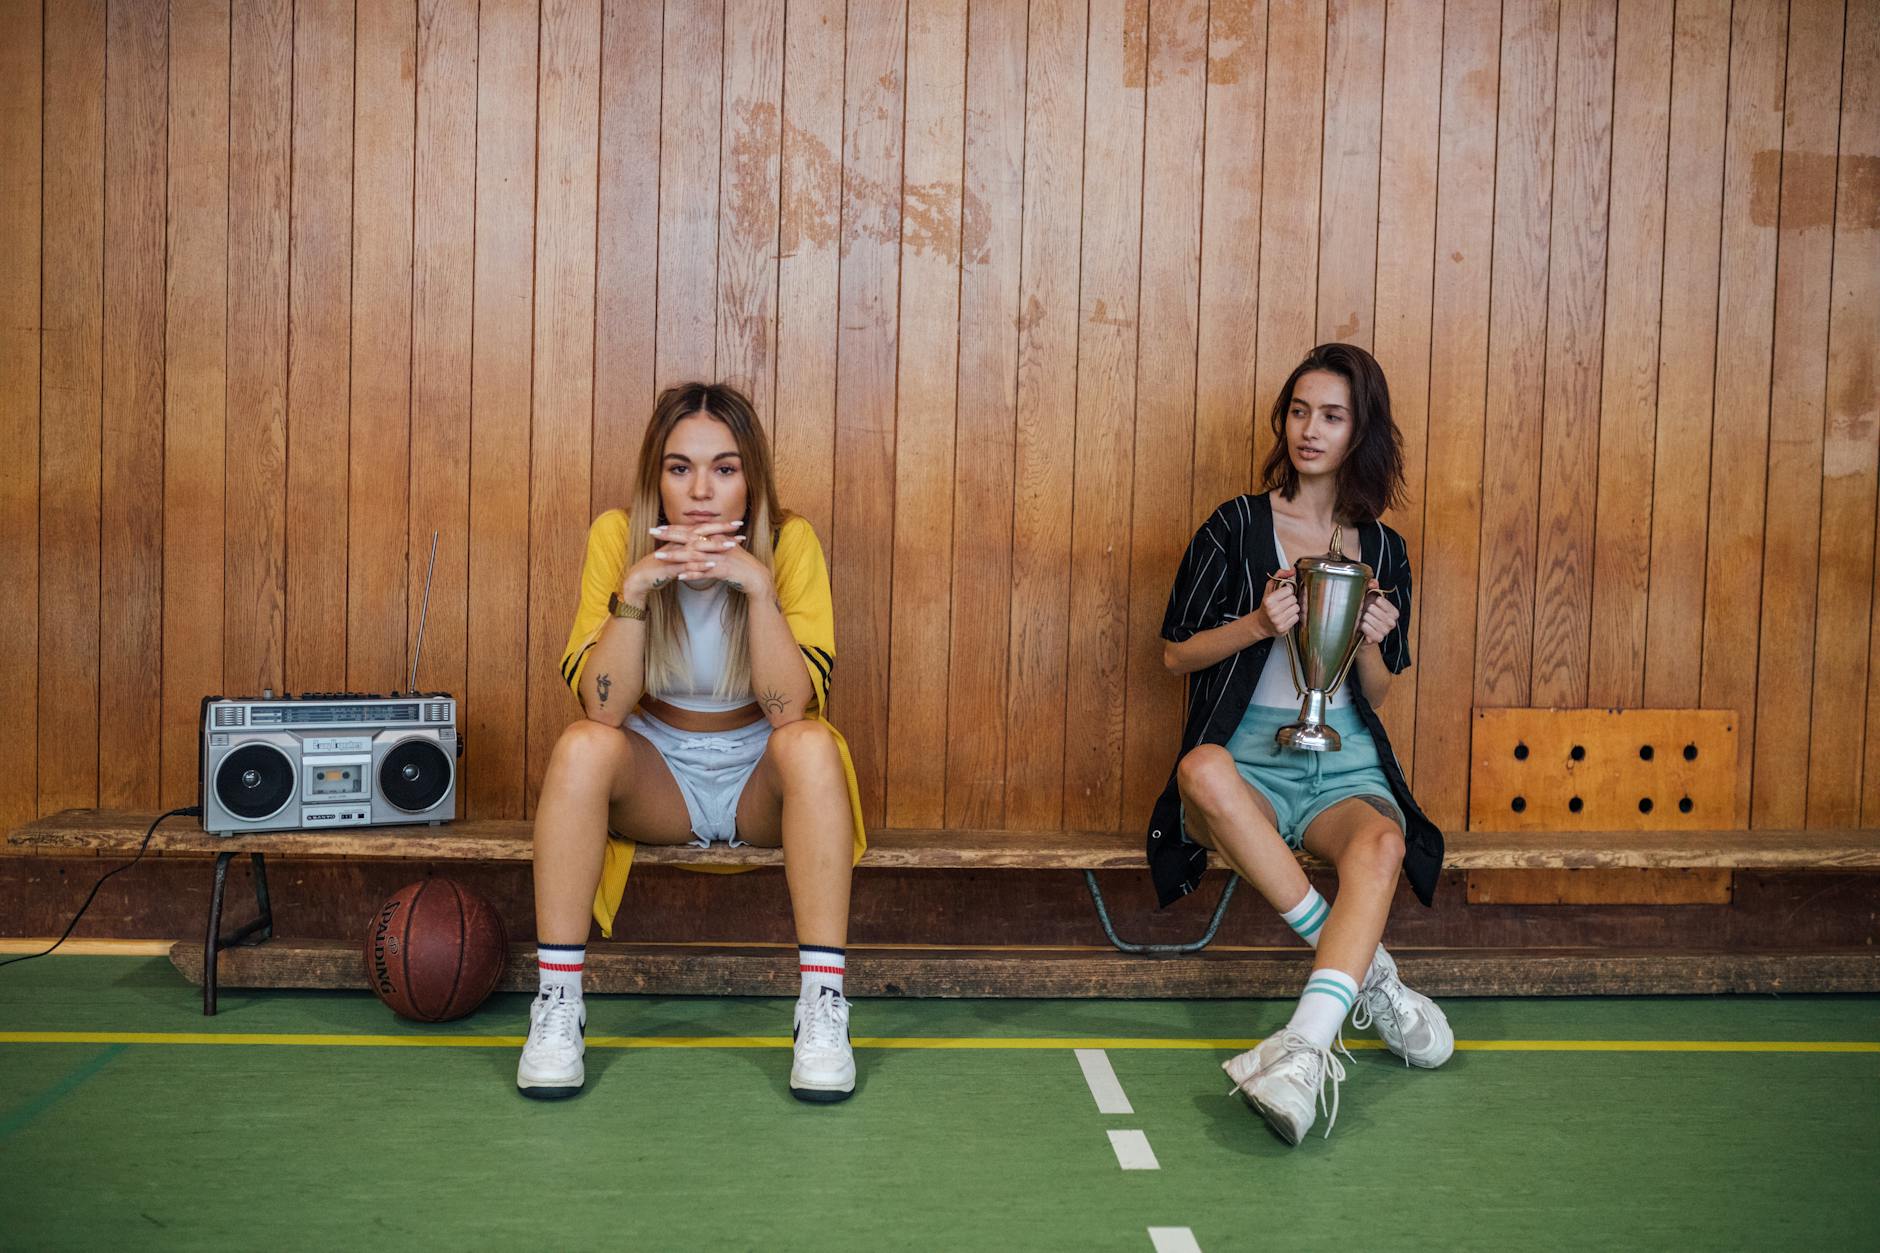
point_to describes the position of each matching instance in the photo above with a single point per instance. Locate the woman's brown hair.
(1370, 479)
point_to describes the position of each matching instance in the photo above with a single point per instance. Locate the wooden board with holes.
(1605, 769)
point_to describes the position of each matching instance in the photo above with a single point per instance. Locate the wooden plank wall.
(287, 285)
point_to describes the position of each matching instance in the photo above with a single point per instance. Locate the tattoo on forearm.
(778, 603)
(601, 685)
(773, 701)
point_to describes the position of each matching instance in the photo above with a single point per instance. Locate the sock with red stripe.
(560, 968)
(821, 967)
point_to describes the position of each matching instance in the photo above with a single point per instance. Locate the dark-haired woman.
(1337, 465)
(701, 654)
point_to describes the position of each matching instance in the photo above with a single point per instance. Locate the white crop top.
(704, 609)
(1275, 689)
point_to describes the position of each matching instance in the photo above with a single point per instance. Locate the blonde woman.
(701, 653)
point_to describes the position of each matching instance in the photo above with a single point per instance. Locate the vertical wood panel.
(379, 478)
(986, 429)
(1109, 306)
(1406, 244)
(861, 552)
(1740, 425)
(1687, 354)
(751, 152)
(567, 199)
(808, 262)
(130, 633)
(1047, 401)
(503, 337)
(22, 50)
(1843, 670)
(1348, 198)
(1576, 309)
(932, 212)
(1230, 256)
(1458, 358)
(627, 250)
(443, 269)
(1628, 392)
(261, 51)
(1289, 203)
(1797, 398)
(71, 400)
(688, 190)
(196, 383)
(319, 345)
(1174, 139)
(1517, 331)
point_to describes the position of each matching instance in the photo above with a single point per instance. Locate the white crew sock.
(1328, 997)
(821, 967)
(559, 966)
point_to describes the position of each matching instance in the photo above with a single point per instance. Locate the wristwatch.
(625, 609)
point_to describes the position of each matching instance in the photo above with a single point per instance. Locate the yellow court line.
(907, 1042)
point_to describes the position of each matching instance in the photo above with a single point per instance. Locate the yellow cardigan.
(802, 578)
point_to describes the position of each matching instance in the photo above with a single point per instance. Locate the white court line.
(1133, 1151)
(1173, 1240)
(1101, 1077)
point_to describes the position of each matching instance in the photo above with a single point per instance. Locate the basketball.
(435, 950)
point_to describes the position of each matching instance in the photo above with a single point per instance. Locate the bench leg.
(1122, 945)
(214, 942)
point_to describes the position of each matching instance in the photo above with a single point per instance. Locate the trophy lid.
(1334, 563)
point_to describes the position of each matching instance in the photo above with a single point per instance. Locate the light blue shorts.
(1302, 785)
(711, 769)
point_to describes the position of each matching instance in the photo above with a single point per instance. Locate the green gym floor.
(308, 1120)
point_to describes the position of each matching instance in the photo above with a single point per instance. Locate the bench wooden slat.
(77, 831)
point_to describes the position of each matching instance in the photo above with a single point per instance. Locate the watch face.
(613, 602)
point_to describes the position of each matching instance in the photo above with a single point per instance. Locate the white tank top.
(1275, 689)
(704, 610)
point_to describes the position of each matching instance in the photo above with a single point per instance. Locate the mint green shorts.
(1302, 785)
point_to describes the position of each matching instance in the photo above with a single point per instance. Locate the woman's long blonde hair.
(665, 624)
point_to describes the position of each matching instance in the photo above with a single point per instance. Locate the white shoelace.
(1328, 1063)
(1399, 1011)
(825, 1022)
(560, 1023)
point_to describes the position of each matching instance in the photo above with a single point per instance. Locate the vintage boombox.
(328, 759)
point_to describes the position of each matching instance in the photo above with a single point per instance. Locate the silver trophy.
(1333, 590)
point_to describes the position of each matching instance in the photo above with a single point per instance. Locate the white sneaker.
(551, 1064)
(1283, 1077)
(824, 1067)
(1409, 1022)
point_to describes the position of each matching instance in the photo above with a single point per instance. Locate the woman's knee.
(805, 751)
(1375, 851)
(1205, 773)
(588, 751)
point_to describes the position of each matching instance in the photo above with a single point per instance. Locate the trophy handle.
(1357, 641)
(1297, 667)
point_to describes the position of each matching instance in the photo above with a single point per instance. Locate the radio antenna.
(424, 610)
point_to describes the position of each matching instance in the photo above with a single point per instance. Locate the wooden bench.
(97, 832)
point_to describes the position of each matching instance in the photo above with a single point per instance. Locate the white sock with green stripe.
(1308, 916)
(1307, 919)
(1328, 997)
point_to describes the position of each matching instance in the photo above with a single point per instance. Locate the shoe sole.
(543, 1092)
(1274, 1122)
(822, 1096)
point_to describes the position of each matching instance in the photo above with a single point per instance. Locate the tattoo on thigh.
(1383, 807)
(601, 685)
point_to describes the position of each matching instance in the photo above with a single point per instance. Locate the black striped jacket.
(1223, 577)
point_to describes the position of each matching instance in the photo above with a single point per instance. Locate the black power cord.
(187, 811)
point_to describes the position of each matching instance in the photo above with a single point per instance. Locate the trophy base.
(1312, 737)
